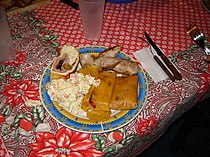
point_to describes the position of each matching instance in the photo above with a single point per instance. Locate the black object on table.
(196, 118)
(71, 3)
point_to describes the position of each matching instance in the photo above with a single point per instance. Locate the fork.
(198, 37)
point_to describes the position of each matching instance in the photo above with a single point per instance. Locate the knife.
(175, 72)
(164, 68)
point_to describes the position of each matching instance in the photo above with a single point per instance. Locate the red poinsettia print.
(2, 118)
(20, 91)
(20, 58)
(206, 78)
(204, 87)
(146, 125)
(66, 143)
(2, 149)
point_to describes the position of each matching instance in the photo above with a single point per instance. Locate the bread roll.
(65, 64)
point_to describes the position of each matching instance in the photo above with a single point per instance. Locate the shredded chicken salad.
(69, 93)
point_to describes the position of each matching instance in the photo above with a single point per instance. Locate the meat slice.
(126, 67)
(107, 60)
(86, 60)
(109, 63)
(111, 52)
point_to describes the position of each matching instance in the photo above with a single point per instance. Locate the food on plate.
(65, 64)
(96, 89)
(126, 67)
(90, 70)
(111, 52)
(70, 92)
(124, 95)
(109, 63)
(108, 60)
(86, 60)
(101, 95)
(86, 103)
(7, 4)
(118, 93)
(96, 116)
(90, 59)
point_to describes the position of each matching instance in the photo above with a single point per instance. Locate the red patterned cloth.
(3, 151)
(165, 22)
(28, 130)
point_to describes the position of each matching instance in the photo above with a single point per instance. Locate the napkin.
(145, 57)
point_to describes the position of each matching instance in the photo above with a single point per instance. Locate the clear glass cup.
(92, 12)
(7, 50)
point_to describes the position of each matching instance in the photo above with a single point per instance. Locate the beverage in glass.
(7, 51)
(91, 12)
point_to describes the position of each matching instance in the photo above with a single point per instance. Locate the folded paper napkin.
(145, 57)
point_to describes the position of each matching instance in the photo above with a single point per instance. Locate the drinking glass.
(91, 12)
(7, 51)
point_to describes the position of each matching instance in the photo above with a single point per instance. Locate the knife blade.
(175, 72)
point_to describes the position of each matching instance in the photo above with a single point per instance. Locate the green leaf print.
(38, 113)
(6, 71)
(17, 75)
(100, 141)
(127, 139)
(2, 67)
(11, 70)
(5, 111)
(18, 118)
(109, 151)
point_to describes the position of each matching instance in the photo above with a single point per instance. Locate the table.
(38, 36)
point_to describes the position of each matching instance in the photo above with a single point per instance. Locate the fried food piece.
(131, 93)
(124, 95)
(118, 94)
(86, 100)
(101, 95)
(127, 67)
(98, 116)
(90, 70)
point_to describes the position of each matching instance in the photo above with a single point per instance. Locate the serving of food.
(7, 4)
(13, 7)
(93, 89)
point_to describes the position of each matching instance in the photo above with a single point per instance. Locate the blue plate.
(117, 120)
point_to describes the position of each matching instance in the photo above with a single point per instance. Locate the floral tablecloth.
(26, 129)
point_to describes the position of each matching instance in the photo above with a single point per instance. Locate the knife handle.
(177, 75)
(164, 68)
